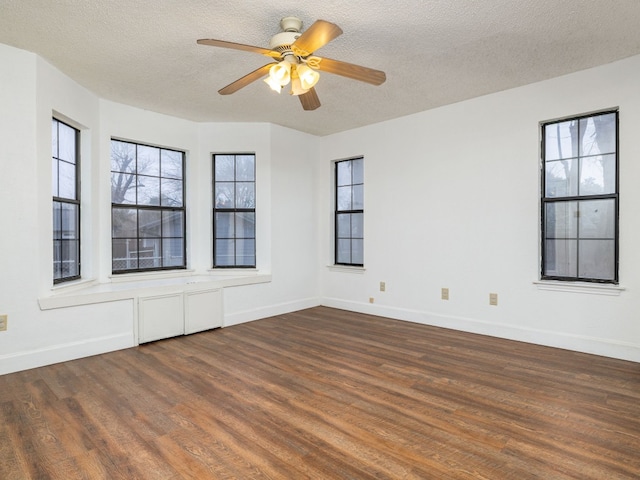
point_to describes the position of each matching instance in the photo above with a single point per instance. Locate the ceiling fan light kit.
(293, 62)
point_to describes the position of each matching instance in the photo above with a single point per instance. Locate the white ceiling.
(434, 52)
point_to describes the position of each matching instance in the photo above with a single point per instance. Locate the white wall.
(452, 200)
(30, 91)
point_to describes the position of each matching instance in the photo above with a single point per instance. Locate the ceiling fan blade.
(349, 70)
(316, 36)
(239, 46)
(309, 100)
(246, 80)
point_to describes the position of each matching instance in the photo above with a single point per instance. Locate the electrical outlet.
(445, 294)
(371, 300)
(493, 299)
(383, 286)
(3, 322)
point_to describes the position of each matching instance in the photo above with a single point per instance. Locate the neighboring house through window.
(234, 210)
(66, 201)
(349, 212)
(580, 198)
(148, 208)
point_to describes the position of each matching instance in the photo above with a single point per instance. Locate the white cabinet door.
(160, 316)
(202, 310)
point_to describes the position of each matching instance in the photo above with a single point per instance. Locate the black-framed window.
(65, 155)
(148, 225)
(580, 198)
(234, 210)
(349, 212)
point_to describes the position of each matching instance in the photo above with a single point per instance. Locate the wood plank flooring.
(324, 394)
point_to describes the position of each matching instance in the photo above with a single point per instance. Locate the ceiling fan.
(293, 61)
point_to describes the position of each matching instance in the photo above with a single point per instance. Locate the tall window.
(66, 201)
(349, 214)
(580, 199)
(147, 208)
(234, 210)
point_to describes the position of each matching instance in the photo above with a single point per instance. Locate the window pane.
(245, 168)
(358, 197)
(560, 258)
(224, 225)
(124, 223)
(561, 220)
(123, 188)
(149, 253)
(66, 180)
(357, 251)
(171, 193)
(54, 177)
(54, 138)
(358, 170)
(344, 198)
(597, 219)
(148, 190)
(245, 252)
(561, 178)
(57, 220)
(344, 173)
(173, 224)
(224, 168)
(123, 157)
(597, 259)
(225, 253)
(149, 223)
(343, 225)
(357, 227)
(245, 195)
(124, 254)
(148, 161)
(598, 175)
(598, 134)
(225, 195)
(245, 225)
(173, 252)
(171, 164)
(70, 260)
(343, 248)
(66, 143)
(561, 140)
(70, 221)
(57, 259)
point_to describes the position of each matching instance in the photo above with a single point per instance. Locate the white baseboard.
(269, 311)
(61, 353)
(579, 343)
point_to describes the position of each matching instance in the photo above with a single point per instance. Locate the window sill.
(142, 276)
(144, 285)
(346, 269)
(576, 287)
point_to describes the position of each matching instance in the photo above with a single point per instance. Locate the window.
(580, 198)
(349, 214)
(66, 201)
(147, 208)
(234, 210)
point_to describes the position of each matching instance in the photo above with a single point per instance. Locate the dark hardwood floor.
(324, 394)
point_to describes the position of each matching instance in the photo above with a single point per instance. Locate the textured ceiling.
(434, 52)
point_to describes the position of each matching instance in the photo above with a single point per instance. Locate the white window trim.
(577, 287)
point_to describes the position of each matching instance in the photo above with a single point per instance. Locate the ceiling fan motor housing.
(281, 42)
